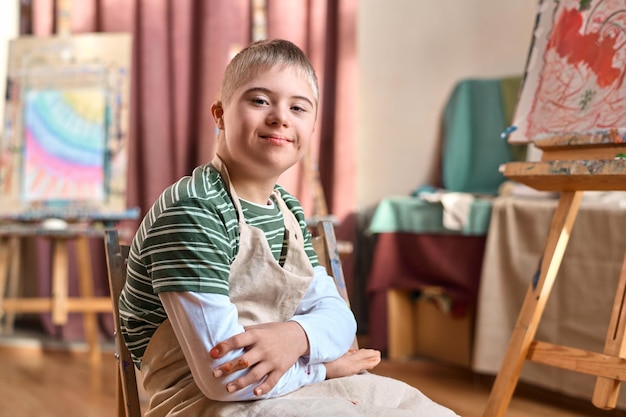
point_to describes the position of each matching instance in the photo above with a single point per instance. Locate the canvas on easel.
(64, 147)
(574, 79)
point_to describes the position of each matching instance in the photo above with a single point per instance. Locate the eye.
(259, 101)
(298, 108)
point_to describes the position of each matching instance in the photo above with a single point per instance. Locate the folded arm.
(202, 321)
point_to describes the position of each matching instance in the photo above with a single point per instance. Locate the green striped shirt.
(187, 242)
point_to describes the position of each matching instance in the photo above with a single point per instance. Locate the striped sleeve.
(190, 248)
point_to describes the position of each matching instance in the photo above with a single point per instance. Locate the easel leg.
(59, 281)
(5, 255)
(86, 289)
(9, 277)
(14, 279)
(606, 390)
(534, 304)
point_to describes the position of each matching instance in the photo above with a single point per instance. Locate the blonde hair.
(262, 55)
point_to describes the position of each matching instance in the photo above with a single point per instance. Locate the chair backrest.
(128, 403)
(325, 245)
(127, 394)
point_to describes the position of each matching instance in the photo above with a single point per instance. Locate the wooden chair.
(127, 394)
(128, 403)
(327, 250)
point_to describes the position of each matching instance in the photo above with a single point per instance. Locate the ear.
(217, 111)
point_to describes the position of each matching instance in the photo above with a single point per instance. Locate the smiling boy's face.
(267, 125)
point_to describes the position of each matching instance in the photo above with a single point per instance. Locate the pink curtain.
(180, 50)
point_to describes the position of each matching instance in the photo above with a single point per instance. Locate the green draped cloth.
(476, 114)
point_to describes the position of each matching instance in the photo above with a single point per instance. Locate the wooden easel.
(566, 167)
(59, 304)
(63, 63)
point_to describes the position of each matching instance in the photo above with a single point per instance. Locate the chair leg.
(119, 394)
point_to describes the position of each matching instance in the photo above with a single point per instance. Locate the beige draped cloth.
(365, 395)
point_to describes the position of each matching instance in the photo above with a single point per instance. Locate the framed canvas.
(574, 80)
(63, 152)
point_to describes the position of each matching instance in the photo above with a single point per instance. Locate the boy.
(225, 300)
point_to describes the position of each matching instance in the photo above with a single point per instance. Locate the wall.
(411, 53)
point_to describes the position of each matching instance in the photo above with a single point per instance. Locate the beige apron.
(257, 299)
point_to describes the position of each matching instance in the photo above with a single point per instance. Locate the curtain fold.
(180, 50)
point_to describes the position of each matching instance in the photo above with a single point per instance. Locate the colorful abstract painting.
(64, 145)
(574, 79)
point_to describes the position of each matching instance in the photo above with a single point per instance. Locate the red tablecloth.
(413, 261)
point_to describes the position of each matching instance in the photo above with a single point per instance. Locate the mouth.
(276, 139)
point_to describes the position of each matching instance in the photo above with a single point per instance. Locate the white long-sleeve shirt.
(202, 320)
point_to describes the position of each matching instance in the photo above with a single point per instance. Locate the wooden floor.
(48, 379)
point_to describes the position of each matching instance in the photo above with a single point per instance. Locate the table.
(414, 251)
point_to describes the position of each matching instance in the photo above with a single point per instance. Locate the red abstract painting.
(574, 79)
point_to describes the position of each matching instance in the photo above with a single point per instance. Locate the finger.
(255, 375)
(235, 342)
(367, 354)
(230, 367)
(267, 385)
(219, 350)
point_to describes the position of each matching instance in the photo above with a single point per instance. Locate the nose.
(278, 116)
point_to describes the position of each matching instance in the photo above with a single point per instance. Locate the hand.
(270, 350)
(353, 362)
